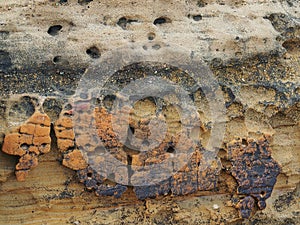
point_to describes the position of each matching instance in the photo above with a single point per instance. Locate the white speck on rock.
(215, 206)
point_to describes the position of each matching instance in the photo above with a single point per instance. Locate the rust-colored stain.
(29, 141)
(255, 171)
(72, 157)
(252, 165)
(198, 173)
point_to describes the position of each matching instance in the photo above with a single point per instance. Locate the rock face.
(243, 169)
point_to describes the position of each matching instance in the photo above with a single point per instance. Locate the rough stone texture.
(252, 47)
(255, 171)
(29, 141)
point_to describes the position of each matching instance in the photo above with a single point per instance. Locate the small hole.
(237, 38)
(161, 20)
(244, 142)
(170, 150)
(197, 17)
(83, 2)
(151, 36)
(93, 52)
(89, 174)
(122, 22)
(53, 30)
(132, 130)
(57, 59)
(43, 145)
(25, 146)
(156, 47)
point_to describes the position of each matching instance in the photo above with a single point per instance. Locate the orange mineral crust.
(29, 141)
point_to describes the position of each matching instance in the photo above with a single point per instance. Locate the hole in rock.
(53, 30)
(161, 20)
(93, 52)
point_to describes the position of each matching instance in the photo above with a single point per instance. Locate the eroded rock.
(29, 141)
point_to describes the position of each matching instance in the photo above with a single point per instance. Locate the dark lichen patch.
(46, 79)
(280, 21)
(95, 182)
(52, 107)
(253, 168)
(197, 175)
(246, 207)
(4, 34)
(21, 109)
(152, 191)
(284, 201)
(3, 109)
(292, 44)
(5, 60)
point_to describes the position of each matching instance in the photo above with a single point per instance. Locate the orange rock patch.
(29, 141)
